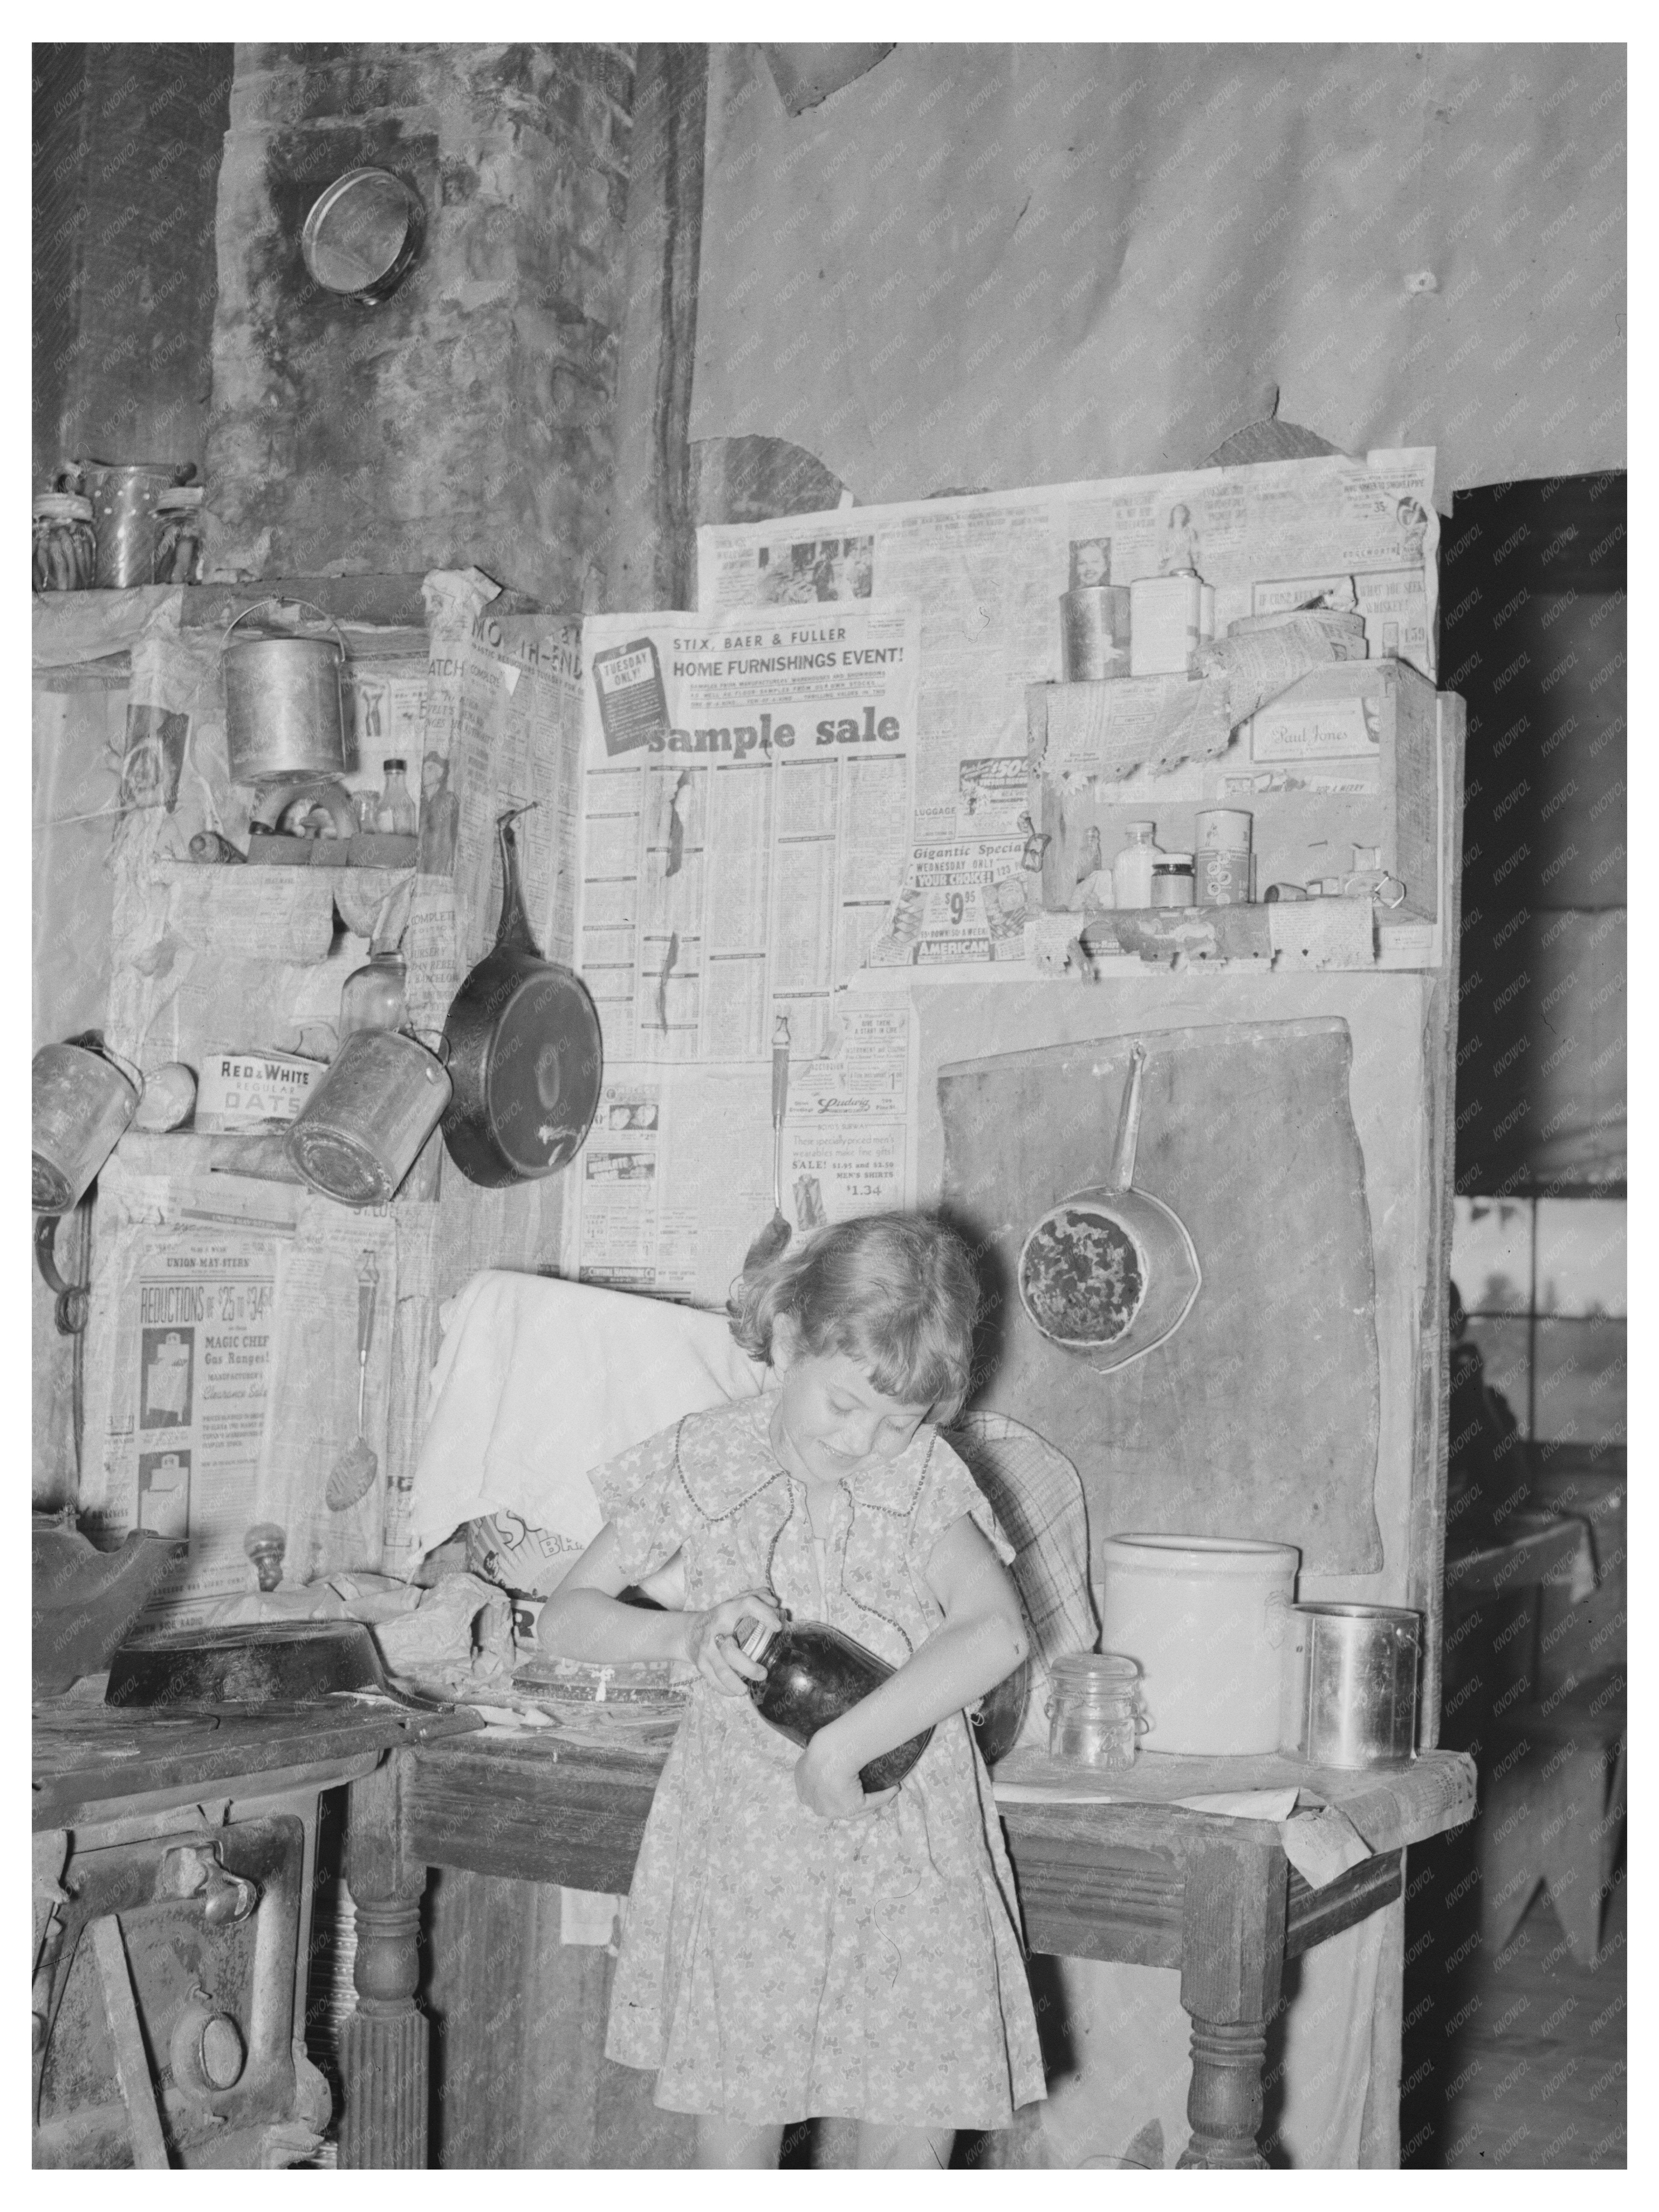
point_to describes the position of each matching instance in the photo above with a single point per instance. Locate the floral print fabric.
(776, 1966)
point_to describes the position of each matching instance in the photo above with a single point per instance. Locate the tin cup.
(1350, 1685)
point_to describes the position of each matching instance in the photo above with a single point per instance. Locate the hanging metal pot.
(525, 1051)
(1110, 1272)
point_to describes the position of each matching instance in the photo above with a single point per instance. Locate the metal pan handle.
(1122, 1173)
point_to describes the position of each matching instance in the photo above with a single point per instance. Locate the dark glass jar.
(813, 1674)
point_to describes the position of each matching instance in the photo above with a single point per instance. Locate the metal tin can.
(1222, 857)
(123, 497)
(1351, 1685)
(1094, 632)
(364, 1124)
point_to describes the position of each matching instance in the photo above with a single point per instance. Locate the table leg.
(1232, 1953)
(383, 2057)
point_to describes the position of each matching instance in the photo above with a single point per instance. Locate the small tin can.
(1172, 879)
(1222, 857)
(1094, 632)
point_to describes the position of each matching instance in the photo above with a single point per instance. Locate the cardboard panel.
(1259, 1416)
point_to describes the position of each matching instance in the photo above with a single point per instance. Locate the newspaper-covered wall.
(748, 796)
(747, 791)
(677, 1177)
(986, 573)
(222, 1376)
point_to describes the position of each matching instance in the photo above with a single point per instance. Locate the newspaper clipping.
(221, 1387)
(986, 573)
(748, 798)
(677, 1177)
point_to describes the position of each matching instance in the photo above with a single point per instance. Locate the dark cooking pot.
(255, 1664)
(525, 1053)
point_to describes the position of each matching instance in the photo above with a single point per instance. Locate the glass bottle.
(178, 526)
(395, 815)
(366, 807)
(1175, 882)
(1131, 869)
(376, 996)
(813, 1674)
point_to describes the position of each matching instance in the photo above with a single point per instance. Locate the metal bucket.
(123, 496)
(1351, 1685)
(82, 1105)
(363, 1126)
(284, 707)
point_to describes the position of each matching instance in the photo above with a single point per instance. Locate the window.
(1542, 1281)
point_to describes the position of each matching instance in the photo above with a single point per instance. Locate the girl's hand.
(711, 1643)
(828, 1784)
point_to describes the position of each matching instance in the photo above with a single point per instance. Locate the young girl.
(794, 1948)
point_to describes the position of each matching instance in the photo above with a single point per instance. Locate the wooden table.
(1152, 1884)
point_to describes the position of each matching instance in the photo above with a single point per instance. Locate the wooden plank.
(1314, 1916)
(69, 1770)
(556, 1822)
(1094, 1902)
(131, 2062)
(1431, 1422)
(392, 602)
(652, 555)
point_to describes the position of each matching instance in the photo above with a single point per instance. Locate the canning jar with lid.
(178, 519)
(65, 543)
(1174, 883)
(1095, 1712)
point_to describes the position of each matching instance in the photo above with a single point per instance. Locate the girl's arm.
(584, 1619)
(982, 1639)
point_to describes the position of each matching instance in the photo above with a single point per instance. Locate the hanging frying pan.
(524, 1051)
(1110, 1272)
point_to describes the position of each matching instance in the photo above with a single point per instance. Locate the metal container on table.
(363, 1125)
(284, 707)
(1351, 1685)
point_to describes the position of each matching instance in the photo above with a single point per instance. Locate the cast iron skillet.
(255, 1665)
(524, 1052)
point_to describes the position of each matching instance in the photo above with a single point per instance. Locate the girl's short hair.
(894, 1292)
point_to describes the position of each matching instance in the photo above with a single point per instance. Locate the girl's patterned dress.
(775, 1965)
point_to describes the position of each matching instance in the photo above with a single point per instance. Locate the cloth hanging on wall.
(992, 265)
